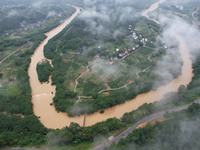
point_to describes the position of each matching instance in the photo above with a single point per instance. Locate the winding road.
(42, 94)
(145, 120)
(144, 70)
(114, 89)
(151, 117)
(76, 82)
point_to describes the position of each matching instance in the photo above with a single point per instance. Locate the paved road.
(9, 56)
(145, 120)
(129, 130)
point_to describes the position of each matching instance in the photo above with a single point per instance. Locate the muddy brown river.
(152, 8)
(42, 93)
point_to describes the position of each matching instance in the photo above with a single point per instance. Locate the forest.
(74, 39)
(74, 134)
(44, 70)
(179, 131)
(17, 131)
(19, 127)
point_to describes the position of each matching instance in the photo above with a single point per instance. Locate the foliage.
(44, 70)
(141, 112)
(102, 111)
(74, 39)
(23, 15)
(170, 133)
(74, 134)
(184, 95)
(17, 131)
(19, 127)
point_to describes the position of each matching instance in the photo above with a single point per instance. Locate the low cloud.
(51, 14)
(78, 109)
(107, 71)
(37, 4)
(189, 33)
(170, 65)
(12, 13)
(103, 17)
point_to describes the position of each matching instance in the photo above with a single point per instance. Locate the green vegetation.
(141, 112)
(44, 70)
(25, 16)
(174, 133)
(17, 131)
(74, 134)
(71, 51)
(101, 111)
(19, 127)
(184, 95)
(67, 51)
(140, 138)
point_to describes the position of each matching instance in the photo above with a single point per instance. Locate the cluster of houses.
(133, 33)
(137, 37)
(121, 53)
(25, 27)
(125, 52)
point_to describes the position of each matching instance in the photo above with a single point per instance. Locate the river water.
(42, 93)
(152, 8)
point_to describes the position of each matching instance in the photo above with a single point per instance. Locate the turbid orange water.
(152, 8)
(42, 93)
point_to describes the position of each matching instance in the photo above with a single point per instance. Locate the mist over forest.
(114, 77)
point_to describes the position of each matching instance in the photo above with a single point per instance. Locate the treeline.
(98, 102)
(179, 131)
(77, 36)
(184, 95)
(19, 127)
(44, 70)
(171, 100)
(74, 37)
(74, 134)
(17, 131)
(16, 99)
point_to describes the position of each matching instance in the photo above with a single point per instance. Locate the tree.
(195, 107)
(181, 88)
(44, 70)
(1, 48)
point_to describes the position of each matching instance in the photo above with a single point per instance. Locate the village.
(121, 52)
(25, 27)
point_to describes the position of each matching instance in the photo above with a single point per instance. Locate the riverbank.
(42, 95)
